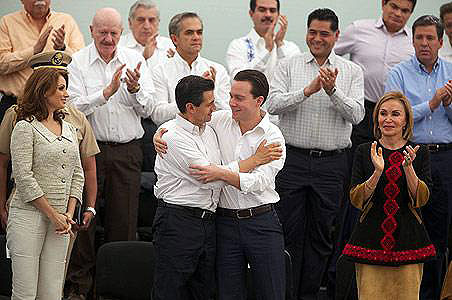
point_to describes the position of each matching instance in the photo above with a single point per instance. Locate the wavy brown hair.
(407, 131)
(33, 104)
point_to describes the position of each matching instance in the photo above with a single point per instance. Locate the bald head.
(106, 30)
(107, 15)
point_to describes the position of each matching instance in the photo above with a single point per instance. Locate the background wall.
(228, 19)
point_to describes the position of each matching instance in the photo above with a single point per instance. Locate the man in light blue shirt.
(426, 80)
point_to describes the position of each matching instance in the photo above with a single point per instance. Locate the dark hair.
(428, 20)
(324, 14)
(190, 89)
(444, 10)
(258, 81)
(412, 1)
(253, 5)
(174, 24)
(407, 131)
(32, 104)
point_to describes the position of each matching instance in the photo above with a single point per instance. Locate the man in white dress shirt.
(184, 224)
(262, 47)
(111, 86)
(144, 22)
(186, 32)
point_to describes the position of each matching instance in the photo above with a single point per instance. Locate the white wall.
(228, 19)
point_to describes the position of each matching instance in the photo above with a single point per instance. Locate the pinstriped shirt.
(320, 121)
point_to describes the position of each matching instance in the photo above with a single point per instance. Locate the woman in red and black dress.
(390, 182)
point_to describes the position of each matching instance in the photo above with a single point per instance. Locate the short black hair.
(444, 10)
(324, 14)
(258, 81)
(428, 20)
(190, 89)
(412, 1)
(253, 5)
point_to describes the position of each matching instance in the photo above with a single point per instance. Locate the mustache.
(265, 19)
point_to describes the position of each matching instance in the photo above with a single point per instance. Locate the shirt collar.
(50, 136)
(381, 25)
(188, 126)
(263, 125)
(30, 19)
(330, 60)
(420, 67)
(179, 58)
(254, 36)
(94, 54)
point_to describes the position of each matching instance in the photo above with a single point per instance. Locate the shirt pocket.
(93, 86)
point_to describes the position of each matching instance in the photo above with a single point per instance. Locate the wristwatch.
(333, 90)
(91, 209)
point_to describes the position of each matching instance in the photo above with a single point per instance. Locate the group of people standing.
(254, 158)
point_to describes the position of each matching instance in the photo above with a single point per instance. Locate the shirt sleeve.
(345, 44)
(22, 148)
(6, 129)
(395, 83)
(280, 99)
(184, 152)
(11, 61)
(263, 177)
(74, 37)
(350, 104)
(78, 94)
(163, 110)
(88, 145)
(78, 178)
(222, 88)
(143, 100)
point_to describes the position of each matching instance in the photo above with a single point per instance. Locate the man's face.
(243, 104)
(396, 13)
(144, 24)
(203, 113)
(320, 38)
(447, 21)
(38, 9)
(426, 44)
(106, 35)
(265, 15)
(189, 39)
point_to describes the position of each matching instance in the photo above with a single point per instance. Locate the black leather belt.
(438, 147)
(116, 143)
(244, 213)
(194, 211)
(316, 152)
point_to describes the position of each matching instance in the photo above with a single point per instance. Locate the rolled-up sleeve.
(27, 187)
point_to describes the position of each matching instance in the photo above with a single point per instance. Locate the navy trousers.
(185, 255)
(311, 190)
(258, 242)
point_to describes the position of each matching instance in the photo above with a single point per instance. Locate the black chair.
(124, 270)
(289, 281)
(5, 271)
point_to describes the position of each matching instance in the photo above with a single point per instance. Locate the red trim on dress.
(389, 256)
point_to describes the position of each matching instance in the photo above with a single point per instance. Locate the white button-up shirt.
(319, 121)
(167, 75)
(249, 52)
(446, 50)
(375, 50)
(160, 52)
(118, 119)
(258, 186)
(187, 144)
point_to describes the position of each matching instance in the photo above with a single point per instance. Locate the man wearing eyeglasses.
(318, 97)
(425, 79)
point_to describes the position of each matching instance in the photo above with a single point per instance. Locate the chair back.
(124, 270)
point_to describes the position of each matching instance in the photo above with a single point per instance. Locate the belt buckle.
(249, 215)
(316, 153)
(433, 147)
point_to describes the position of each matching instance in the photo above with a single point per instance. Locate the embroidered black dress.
(390, 231)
